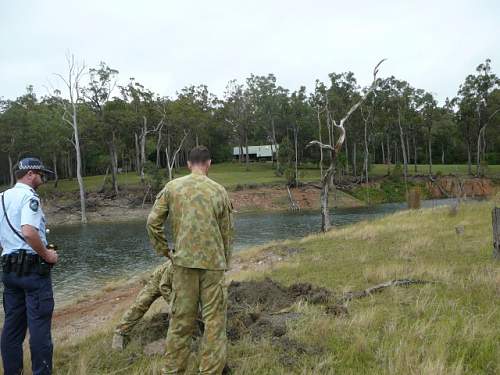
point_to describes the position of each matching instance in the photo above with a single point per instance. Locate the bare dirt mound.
(255, 308)
(260, 308)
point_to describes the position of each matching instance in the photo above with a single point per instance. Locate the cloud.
(170, 44)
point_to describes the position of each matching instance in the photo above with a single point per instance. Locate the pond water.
(94, 254)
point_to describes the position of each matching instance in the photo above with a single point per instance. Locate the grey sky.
(168, 44)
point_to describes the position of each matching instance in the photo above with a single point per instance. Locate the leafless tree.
(335, 148)
(71, 82)
(171, 157)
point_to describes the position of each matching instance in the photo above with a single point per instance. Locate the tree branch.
(321, 145)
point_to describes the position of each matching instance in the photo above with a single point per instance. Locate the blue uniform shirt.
(23, 208)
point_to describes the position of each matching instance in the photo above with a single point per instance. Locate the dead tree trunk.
(335, 149)
(72, 83)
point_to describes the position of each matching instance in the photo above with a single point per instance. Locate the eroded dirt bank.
(129, 206)
(101, 208)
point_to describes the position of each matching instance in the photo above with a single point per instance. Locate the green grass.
(233, 175)
(445, 169)
(447, 327)
(230, 175)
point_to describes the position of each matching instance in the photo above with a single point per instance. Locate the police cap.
(33, 164)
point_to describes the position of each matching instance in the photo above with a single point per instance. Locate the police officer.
(26, 261)
(201, 220)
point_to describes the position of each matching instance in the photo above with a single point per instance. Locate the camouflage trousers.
(195, 289)
(159, 284)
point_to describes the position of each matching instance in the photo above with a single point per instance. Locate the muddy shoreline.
(101, 208)
(128, 206)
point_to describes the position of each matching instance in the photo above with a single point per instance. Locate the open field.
(233, 174)
(448, 326)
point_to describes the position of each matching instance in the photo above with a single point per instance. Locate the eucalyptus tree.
(299, 113)
(342, 94)
(367, 113)
(149, 114)
(118, 122)
(317, 101)
(465, 119)
(235, 106)
(51, 133)
(398, 106)
(445, 131)
(15, 129)
(268, 99)
(178, 127)
(474, 97)
(102, 82)
(198, 105)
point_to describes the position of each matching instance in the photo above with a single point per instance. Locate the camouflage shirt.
(201, 218)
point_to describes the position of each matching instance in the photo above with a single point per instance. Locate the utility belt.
(22, 264)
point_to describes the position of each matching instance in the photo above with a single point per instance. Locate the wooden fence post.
(496, 232)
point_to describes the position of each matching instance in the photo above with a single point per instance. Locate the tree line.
(100, 124)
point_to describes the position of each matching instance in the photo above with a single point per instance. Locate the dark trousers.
(28, 303)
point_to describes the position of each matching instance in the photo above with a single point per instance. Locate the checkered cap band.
(33, 164)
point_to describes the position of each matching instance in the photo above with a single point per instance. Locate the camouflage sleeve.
(156, 222)
(226, 227)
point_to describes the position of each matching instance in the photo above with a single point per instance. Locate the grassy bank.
(449, 326)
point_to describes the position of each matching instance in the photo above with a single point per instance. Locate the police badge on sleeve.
(34, 204)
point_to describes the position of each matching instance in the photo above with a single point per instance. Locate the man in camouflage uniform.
(200, 215)
(159, 284)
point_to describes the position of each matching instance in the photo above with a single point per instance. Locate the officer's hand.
(51, 256)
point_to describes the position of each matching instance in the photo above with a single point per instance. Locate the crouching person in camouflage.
(200, 213)
(159, 285)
